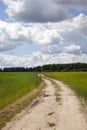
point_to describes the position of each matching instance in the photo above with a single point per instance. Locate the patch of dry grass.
(51, 124)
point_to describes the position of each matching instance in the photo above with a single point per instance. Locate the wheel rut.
(56, 108)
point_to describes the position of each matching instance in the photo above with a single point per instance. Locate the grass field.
(76, 80)
(15, 85)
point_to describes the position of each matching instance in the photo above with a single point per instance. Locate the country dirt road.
(56, 108)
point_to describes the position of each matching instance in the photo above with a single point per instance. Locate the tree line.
(49, 68)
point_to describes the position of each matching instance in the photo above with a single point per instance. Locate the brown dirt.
(45, 113)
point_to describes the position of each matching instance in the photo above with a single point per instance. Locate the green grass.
(14, 85)
(76, 80)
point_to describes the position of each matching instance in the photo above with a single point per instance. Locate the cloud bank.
(38, 58)
(68, 36)
(58, 26)
(42, 11)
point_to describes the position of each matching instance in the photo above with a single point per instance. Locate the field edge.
(16, 107)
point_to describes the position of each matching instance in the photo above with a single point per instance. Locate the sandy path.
(46, 113)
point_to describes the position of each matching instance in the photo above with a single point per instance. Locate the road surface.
(56, 108)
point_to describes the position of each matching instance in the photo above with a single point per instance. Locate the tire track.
(47, 113)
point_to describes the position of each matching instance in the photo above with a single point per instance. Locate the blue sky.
(38, 32)
(3, 15)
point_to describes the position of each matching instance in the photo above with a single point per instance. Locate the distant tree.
(49, 68)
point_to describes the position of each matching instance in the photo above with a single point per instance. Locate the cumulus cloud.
(42, 11)
(75, 49)
(38, 58)
(35, 10)
(67, 36)
(62, 42)
(71, 35)
(16, 34)
(35, 59)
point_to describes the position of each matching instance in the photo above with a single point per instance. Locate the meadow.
(76, 80)
(14, 85)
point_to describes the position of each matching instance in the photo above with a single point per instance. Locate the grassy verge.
(15, 85)
(76, 80)
(17, 90)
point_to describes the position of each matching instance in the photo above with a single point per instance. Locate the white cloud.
(72, 47)
(70, 33)
(75, 49)
(63, 42)
(57, 35)
(15, 34)
(38, 58)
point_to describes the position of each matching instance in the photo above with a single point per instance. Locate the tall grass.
(76, 80)
(14, 85)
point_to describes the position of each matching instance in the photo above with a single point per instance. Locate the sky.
(37, 32)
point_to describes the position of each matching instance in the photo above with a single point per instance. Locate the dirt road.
(56, 108)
